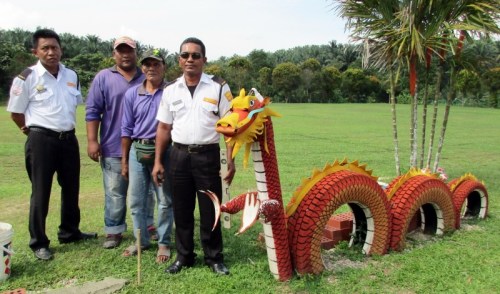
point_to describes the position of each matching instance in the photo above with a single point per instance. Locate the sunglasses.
(194, 55)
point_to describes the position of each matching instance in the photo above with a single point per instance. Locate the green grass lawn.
(307, 136)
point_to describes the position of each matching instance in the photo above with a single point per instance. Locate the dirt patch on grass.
(468, 227)
(336, 262)
(418, 236)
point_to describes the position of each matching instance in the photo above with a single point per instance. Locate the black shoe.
(88, 236)
(43, 254)
(176, 267)
(82, 236)
(219, 268)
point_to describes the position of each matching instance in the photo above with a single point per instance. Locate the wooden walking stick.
(138, 256)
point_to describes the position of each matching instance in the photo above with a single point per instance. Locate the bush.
(403, 98)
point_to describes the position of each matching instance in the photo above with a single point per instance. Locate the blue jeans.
(115, 195)
(140, 181)
(152, 204)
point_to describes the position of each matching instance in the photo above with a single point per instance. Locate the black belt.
(145, 141)
(64, 135)
(195, 148)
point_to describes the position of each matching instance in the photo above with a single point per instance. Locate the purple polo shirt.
(139, 112)
(104, 103)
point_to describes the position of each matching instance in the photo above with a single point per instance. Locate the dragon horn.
(216, 203)
(257, 94)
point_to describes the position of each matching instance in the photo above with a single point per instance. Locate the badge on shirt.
(17, 90)
(40, 89)
(210, 100)
(229, 95)
(70, 84)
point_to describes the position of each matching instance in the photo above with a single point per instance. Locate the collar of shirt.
(204, 79)
(41, 70)
(142, 88)
(138, 72)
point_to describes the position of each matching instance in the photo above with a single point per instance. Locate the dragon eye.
(252, 102)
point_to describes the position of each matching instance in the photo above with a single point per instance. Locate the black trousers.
(45, 155)
(189, 173)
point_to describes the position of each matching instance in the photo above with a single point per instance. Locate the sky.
(227, 27)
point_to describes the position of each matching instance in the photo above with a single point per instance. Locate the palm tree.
(424, 105)
(93, 44)
(401, 32)
(348, 55)
(374, 23)
(437, 95)
(480, 55)
(479, 17)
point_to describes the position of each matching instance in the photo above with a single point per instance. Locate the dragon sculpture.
(381, 217)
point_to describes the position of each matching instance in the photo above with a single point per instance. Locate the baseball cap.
(124, 40)
(153, 54)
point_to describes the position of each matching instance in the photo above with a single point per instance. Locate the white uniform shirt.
(46, 101)
(193, 117)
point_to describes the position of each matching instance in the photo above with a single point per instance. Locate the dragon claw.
(250, 212)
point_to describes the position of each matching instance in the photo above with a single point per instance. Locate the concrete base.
(106, 286)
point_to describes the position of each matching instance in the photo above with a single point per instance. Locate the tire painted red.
(474, 196)
(305, 226)
(410, 197)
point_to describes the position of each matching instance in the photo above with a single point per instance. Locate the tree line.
(329, 73)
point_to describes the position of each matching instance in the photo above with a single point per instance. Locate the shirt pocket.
(42, 96)
(176, 105)
(74, 91)
(75, 95)
(210, 105)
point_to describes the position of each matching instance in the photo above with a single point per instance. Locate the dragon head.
(245, 120)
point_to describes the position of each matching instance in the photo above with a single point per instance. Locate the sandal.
(132, 251)
(163, 254)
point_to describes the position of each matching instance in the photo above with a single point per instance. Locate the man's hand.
(25, 130)
(94, 150)
(158, 174)
(93, 146)
(125, 169)
(231, 171)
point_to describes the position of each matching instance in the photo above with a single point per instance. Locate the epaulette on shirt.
(25, 74)
(170, 83)
(219, 80)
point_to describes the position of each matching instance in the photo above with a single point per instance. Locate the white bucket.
(6, 252)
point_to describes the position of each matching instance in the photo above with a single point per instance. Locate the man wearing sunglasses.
(192, 103)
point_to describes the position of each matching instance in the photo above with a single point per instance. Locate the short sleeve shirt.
(194, 117)
(46, 101)
(139, 112)
(104, 104)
